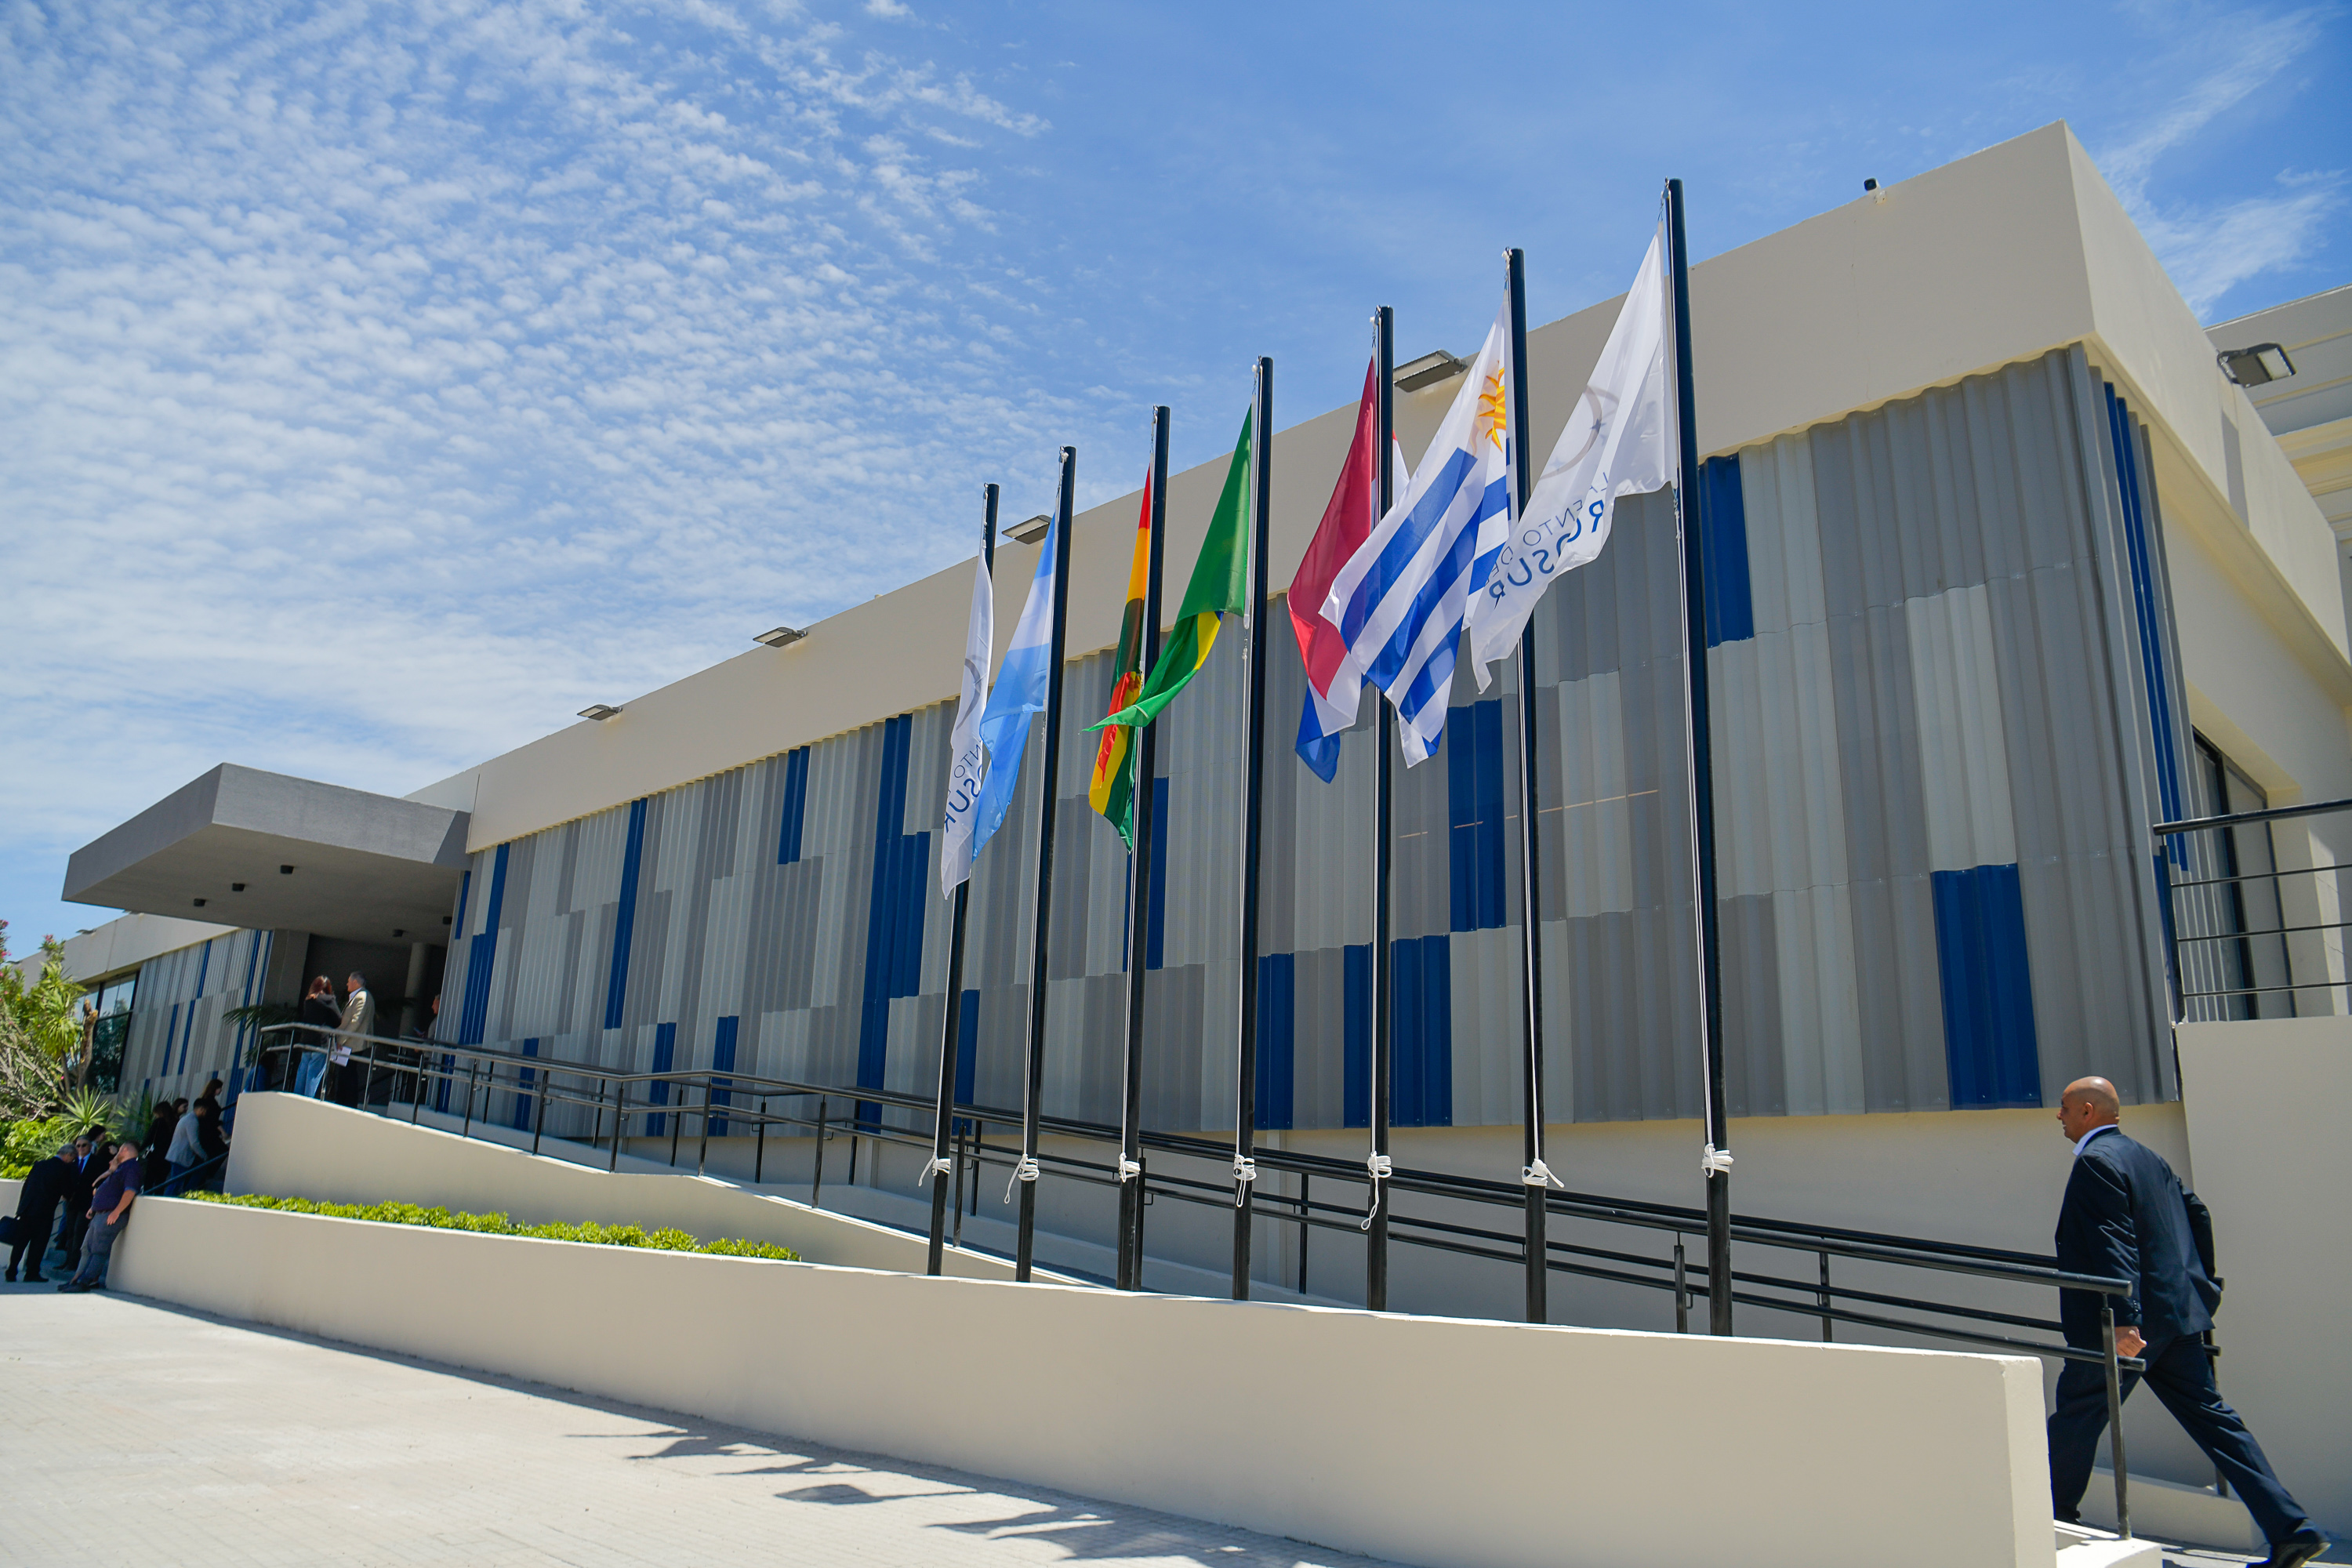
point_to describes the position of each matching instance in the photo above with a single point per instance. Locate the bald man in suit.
(2125, 1215)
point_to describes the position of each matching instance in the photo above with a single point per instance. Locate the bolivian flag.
(1219, 587)
(1112, 792)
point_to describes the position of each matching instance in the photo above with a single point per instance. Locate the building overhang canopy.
(265, 851)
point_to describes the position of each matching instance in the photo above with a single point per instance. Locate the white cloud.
(2218, 61)
(383, 387)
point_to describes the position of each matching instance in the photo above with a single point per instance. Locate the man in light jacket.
(359, 1019)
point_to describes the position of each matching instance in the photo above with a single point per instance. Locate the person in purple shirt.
(110, 1210)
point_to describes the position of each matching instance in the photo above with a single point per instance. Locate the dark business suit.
(37, 1214)
(2126, 1216)
(81, 1180)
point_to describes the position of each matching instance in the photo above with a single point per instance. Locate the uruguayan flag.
(1020, 691)
(1619, 441)
(957, 845)
(1399, 600)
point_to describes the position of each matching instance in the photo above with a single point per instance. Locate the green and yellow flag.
(1112, 790)
(1219, 587)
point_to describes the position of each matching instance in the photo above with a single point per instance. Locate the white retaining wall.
(287, 1146)
(1436, 1441)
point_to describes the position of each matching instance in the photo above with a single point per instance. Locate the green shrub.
(666, 1239)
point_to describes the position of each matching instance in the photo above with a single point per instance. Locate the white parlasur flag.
(1619, 441)
(1399, 601)
(969, 764)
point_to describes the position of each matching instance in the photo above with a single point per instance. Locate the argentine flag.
(1398, 602)
(1020, 691)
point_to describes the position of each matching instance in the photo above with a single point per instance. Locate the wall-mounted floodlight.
(782, 636)
(285, 870)
(1031, 532)
(236, 887)
(1428, 370)
(598, 711)
(2257, 366)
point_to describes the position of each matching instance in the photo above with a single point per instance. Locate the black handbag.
(10, 1227)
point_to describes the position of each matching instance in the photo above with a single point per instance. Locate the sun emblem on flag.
(1492, 417)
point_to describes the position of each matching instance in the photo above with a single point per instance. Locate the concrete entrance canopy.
(365, 866)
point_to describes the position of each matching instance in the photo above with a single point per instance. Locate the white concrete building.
(2008, 570)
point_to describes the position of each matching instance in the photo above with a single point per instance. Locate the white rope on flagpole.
(1025, 1170)
(1382, 1168)
(940, 1166)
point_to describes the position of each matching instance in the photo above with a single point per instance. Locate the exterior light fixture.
(782, 636)
(2256, 366)
(1031, 532)
(1428, 370)
(396, 935)
(236, 887)
(285, 870)
(445, 919)
(599, 712)
(200, 903)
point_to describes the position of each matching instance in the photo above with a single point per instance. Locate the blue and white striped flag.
(1399, 601)
(1020, 691)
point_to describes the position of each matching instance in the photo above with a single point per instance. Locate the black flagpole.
(1032, 1088)
(1376, 1253)
(1139, 921)
(1535, 1176)
(943, 1107)
(1717, 1160)
(1253, 810)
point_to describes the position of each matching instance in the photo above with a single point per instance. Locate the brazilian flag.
(1219, 587)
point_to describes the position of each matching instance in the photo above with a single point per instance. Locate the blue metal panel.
(893, 919)
(1989, 1046)
(441, 1093)
(1722, 524)
(722, 1060)
(1155, 947)
(665, 1058)
(465, 892)
(523, 1098)
(795, 812)
(480, 953)
(171, 1033)
(1473, 814)
(1421, 974)
(204, 964)
(624, 917)
(1277, 1016)
(966, 1047)
(1356, 1035)
(2147, 614)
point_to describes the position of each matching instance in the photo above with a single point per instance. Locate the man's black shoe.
(73, 1285)
(10, 1276)
(37, 1278)
(2296, 1551)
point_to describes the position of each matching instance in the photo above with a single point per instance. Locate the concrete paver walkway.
(136, 1433)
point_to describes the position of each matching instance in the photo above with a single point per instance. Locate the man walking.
(2126, 1216)
(110, 1210)
(359, 1019)
(36, 1213)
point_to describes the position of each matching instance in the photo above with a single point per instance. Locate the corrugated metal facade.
(1947, 707)
(178, 1035)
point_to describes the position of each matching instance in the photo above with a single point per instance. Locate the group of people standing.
(322, 1060)
(94, 1191)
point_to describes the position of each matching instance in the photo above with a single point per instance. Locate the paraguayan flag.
(957, 846)
(1399, 601)
(1619, 441)
(1020, 691)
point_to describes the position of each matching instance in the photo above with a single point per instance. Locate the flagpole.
(1376, 1253)
(1252, 812)
(1139, 925)
(943, 1108)
(1535, 1176)
(1033, 1082)
(1716, 1160)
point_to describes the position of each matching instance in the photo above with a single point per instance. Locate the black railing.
(388, 1076)
(2249, 914)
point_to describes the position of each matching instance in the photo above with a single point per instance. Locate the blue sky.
(383, 384)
